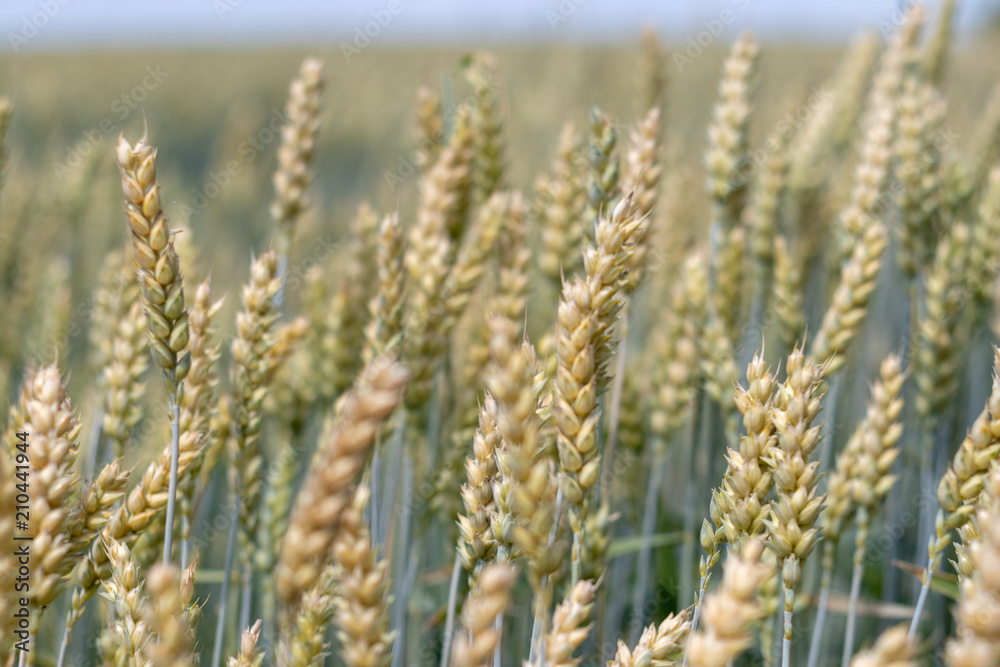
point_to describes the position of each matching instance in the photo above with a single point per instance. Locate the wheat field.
(630, 356)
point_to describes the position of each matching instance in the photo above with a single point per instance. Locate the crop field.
(662, 353)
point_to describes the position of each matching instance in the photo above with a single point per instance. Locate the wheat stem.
(852, 613)
(227, 572)
(175, 455)
(608, 458)
(449, 625)
(819, 624)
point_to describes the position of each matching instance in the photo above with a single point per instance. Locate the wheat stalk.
(161, 288)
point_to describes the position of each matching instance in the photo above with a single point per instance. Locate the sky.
(113, 24)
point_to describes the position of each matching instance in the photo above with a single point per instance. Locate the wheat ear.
(488, 144)
(326, 491)
(857, 485)
(476, 647)
(429, 130)
(739, 507)
(604, 168)
(250, 654)
(144, 504)
(161, 288)
(791, 526)
(305, 643)
(362, 604)
(295, 154)
(197, 398)
(892, 649)
(386, 307)
(562, 213)
(342, 326)
(977, 641)
(570, 625)
(674, 348)
(128, 635)
(659, 646)
(126, 366)
(920, 115)
(850, 302)
(961, 485)
(166, 619)
(730, 611)
(44, 419)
